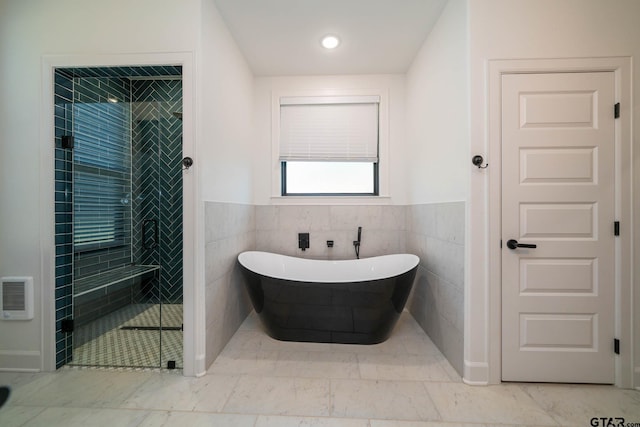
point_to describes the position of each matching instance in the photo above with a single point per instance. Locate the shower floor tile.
(104, 342)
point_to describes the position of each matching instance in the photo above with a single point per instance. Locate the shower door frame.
(193, 223)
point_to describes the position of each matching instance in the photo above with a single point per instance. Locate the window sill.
(331, 200)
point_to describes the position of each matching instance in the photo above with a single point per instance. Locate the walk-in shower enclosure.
(118, 215)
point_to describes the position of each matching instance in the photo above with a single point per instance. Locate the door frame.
(621, 67)
(193, 288)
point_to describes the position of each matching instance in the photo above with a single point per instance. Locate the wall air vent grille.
(16, 298)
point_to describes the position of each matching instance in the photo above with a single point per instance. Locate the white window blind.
(329, 129)
(101, 175)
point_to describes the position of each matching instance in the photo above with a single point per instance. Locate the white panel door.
(558, 139)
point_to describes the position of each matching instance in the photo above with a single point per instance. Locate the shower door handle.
(153, 241)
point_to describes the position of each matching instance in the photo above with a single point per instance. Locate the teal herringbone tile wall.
(157, 179)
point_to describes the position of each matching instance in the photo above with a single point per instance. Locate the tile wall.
(435, 232)
(229, 230)
(97, 122)
(157, 179)
(383, 228)
(63, 102)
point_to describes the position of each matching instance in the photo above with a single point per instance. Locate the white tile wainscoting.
(383, 230)
(229, 230)
(435, 232)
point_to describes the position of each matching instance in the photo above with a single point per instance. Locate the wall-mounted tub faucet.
(303, 241)
(356, 243)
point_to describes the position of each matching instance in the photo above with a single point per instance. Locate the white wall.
(506, 29)
(437, 124)
(28, 30)
(327, 85)
(225, 95)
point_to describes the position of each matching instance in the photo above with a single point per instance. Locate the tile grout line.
(233, 389)
(433, 402)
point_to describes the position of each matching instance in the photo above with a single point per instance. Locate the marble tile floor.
(259, 382)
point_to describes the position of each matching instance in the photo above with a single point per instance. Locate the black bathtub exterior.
(346, 313)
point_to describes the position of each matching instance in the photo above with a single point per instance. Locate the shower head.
(178, 114)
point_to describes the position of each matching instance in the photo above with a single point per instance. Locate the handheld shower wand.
(356, 243)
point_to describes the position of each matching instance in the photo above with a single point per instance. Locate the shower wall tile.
(109, 131)
(63, 168)
(88, 307)
(157, 178)
(229, 230)
(135, 71)
(435, 232)
(103, 128)
(101, 89)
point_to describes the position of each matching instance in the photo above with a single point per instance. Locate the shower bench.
(111, 277)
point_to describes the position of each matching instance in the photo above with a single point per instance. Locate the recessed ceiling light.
(330, 42)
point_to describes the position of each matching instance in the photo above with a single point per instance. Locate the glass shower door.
(157, 189)
(115, 296)
(118, 216)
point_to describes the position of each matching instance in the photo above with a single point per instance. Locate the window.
(101, 175)
(329, 145)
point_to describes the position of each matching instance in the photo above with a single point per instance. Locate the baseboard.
(20, 361)
(476, 373)
(201, 369)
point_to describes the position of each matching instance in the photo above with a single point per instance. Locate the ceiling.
(282, 37)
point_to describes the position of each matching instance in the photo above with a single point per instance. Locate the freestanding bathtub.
(348, 301)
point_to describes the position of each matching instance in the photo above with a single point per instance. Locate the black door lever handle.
(513, 244)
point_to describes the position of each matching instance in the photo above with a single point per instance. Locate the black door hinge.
(616, 228)
(616, 111)
(616, 346)
(66, 325)
(67, 141)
